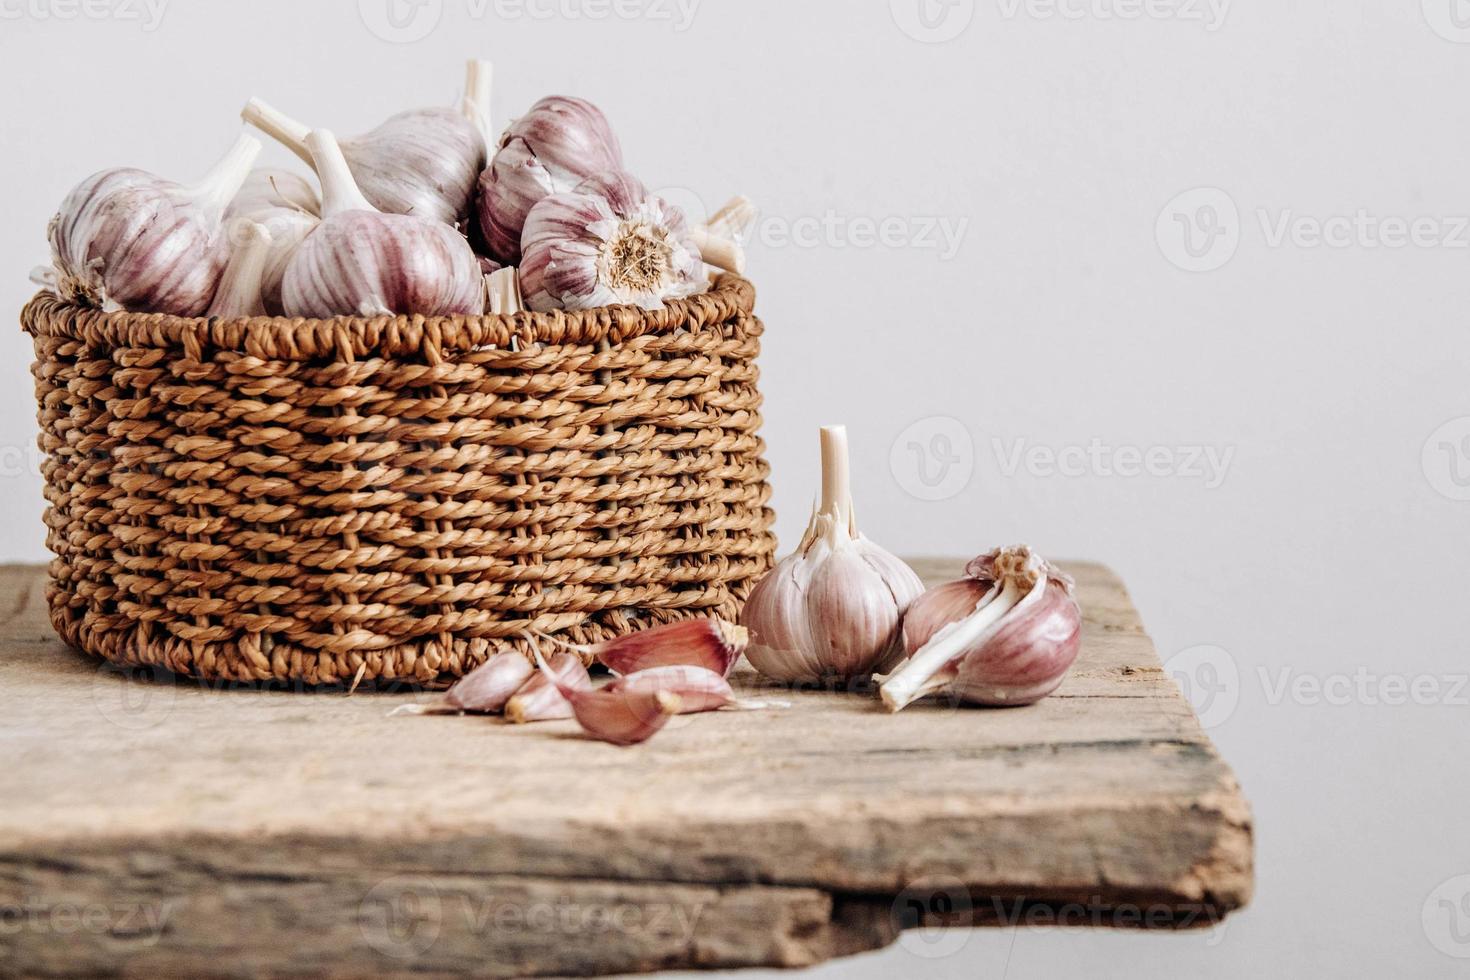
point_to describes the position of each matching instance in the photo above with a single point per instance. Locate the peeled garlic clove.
(488, 687)
(539, 700)
(833, 609)
(608, 242)
(712, 644)
(125, 239)
(1006, 637)
(240, 289)
(555, 146)
(697, 688)
(364, 262)
(422, 162)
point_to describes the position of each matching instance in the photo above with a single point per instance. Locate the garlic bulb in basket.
(290, 209)
(362, 261)
(608, 242)
(1006, 635)
(834, 608)
(125, 239)
(240, 288)
(423, 162)
(555, 146)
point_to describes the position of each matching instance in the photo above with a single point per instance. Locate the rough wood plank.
(218, 831)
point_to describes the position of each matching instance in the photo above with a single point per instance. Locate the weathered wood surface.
(154, 828)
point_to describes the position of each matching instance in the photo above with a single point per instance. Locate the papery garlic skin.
(608, 242)
(290, 209)
(1005, 637)
(127, 240)
(364, 262)
(557, 144)
(540, 700)
(834, 608)
(697, 688)
(712, 644)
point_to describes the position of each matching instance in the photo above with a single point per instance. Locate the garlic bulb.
(555, 146)
(1006, 635)
(240, 288)
(423, 162)
(362, 261)
(290, 209)
(608, 242)
(125, 239)
(834, 608)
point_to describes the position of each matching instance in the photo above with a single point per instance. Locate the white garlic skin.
(125, 239)
(834, 611)
(423, 162)
(290, 209)
(608, 242)
(239, 293)
(366, 263)
(557, 144)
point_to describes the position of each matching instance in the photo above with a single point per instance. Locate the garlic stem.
(836, 478)
(917, 677)
(240, 289)
(477, 87)
(339, 191)
(279, 126)
(218, 188)
(719, 251)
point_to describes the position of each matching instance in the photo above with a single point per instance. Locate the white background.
(1334, 543)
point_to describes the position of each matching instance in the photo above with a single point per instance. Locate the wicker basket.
(325, 501)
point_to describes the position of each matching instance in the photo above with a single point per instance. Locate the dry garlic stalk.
(1006, 635)
(606, 243)
(834, 608)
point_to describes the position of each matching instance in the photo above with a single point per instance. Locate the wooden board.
(155, 828)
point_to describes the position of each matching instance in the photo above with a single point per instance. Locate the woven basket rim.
(299, 338)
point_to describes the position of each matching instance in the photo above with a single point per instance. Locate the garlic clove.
(1013, 645)
(290, 209)
(608, 242)
(539, 700)
(833, 609)
(240, 292)
(361, 261)
(619, 717)
(697, 688)
(557, 144)
(712, 644)
(488, 687)
(125, 239)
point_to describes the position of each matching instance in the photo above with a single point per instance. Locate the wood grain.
(232, 831)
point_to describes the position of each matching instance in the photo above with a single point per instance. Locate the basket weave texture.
(390, 499)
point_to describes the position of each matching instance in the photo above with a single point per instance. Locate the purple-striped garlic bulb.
(361, 261)
(834, 609)
(1005, 635)
(127, 240)
(423, 162)
(555, 146)
(290, 209)
(240, 292)
(608, 242)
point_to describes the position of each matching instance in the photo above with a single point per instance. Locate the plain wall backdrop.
(1175, 285)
